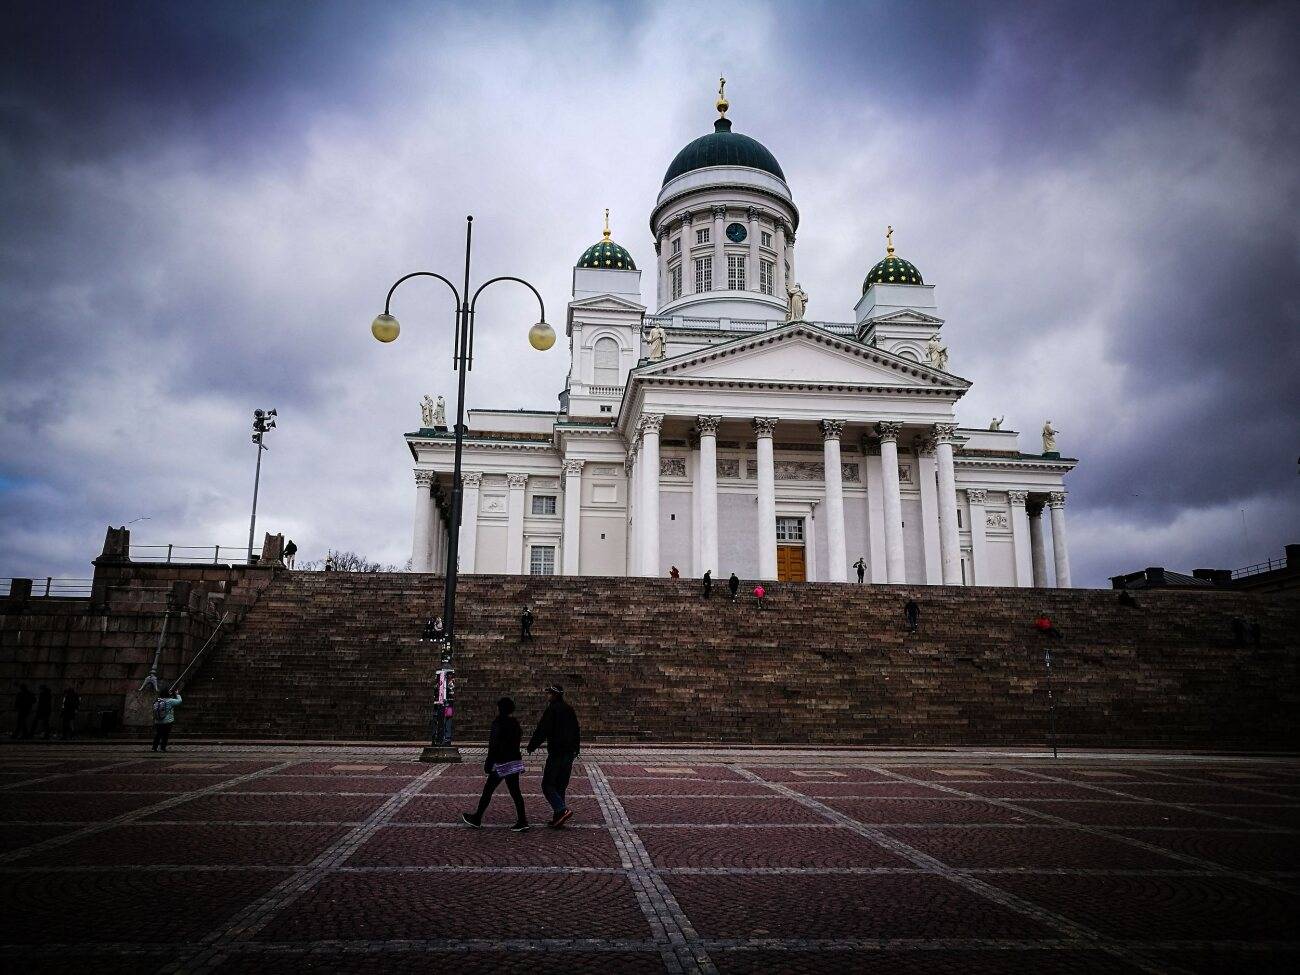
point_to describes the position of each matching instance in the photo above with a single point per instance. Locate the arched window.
(606, 362)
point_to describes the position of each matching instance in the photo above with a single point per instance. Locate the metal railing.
(1258, 567)
(188, 553)
(51, 586)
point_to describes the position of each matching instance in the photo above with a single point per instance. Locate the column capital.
(1056, 499)
(471, 479)
(517, 481)
(708, 425)
(1018, 497)
(650, 422)
(888, 430)
(719, 211)
(832, 429)
(424, 477)
(944, 432)
(752, 212)
(924, 445)
(976, 495)
(686, 222)
(765, 426)
(573, 468)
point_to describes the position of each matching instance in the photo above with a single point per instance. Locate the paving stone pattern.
(337, 656)
(285, 865)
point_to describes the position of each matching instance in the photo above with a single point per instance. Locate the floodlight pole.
(260, 426)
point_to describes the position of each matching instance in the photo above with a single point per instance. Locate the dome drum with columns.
(714, 432)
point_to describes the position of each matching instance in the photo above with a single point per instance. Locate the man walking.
(861, 566)
(912, 613)
(708, 583)
(23, 702)
(68, 713)
(559, 731)
(290, 551)
(526, 624)
(164, 716)
(733, 584)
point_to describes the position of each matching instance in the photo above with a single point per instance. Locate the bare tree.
(347, 562)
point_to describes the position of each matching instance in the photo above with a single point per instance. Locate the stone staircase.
(336, 656)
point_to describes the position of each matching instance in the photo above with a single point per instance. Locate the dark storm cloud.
(204, 203)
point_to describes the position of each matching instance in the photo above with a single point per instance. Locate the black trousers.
(161, 732)
(555, 779)
(512, 784)
(42, 722)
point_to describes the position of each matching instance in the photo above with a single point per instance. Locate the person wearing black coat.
(23, 702)
(733, 586)
(504, 763)
(44, 704)
(559, 731)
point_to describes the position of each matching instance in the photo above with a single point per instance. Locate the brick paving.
(226, 860)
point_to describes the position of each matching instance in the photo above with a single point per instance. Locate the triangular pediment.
(608, 302)
(801, 354)
(905, 317)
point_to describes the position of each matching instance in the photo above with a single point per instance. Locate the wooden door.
(790, 564)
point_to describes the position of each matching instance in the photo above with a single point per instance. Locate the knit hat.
(555, 689)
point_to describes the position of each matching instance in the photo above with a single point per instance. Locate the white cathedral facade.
(723, 432)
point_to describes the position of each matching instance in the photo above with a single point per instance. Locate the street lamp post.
(262, 424)
(385, 328)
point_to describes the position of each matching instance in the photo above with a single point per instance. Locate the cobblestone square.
(303, 858)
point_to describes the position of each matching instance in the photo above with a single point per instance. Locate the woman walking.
(503, 763)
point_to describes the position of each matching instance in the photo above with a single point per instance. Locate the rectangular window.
(702, 236)
(766, 238)
(959, 517)
(704, 274)
(543, 504)
(541, 560)
(766, 275)
(675, 281)
(677, 245)
(735, 272)
(607, 409)
(789, 529)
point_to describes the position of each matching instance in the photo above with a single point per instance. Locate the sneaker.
(469, 819)
(520, 828)
(562, 818)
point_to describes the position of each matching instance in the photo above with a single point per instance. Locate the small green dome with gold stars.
(607, 255)
(892, 270)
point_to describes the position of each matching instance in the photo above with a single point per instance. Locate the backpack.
(159, 711)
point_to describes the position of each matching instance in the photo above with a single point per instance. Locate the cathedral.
(723, 431)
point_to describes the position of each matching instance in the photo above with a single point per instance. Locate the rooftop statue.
(1049, 438)
(936, 353)
(657, 340)
(798, 303)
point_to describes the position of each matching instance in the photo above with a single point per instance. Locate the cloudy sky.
(204, 204)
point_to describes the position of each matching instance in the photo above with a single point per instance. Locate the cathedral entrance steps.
(336, 656)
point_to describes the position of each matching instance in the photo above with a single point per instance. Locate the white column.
(422, 544)
(1037, 544)
(895, 569)
(661, 255)
(706, 486)
(875, 513)
(751, 265)
(632, 551)
(949, 540)
(1020, 538)
(837, 557)
(789, 259)
(764, 427)
(515, 525)
(467, 544)
(779, 283)
(925, 466)
(1060, 553)
(437, 559)
(979, 549)
(688, 263)
(648, 516)
(572, 515)
(719, 252)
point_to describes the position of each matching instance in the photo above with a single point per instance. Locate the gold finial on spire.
(722, 103)
(607, 223)
(889, 242)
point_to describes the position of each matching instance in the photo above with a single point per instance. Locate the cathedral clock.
(736, 233)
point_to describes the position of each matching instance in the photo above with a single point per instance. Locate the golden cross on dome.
(722, 103)
(607, 223)
(889, 241)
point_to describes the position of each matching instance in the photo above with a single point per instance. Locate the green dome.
(892, 270)
(722, 147)
(607, 254)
